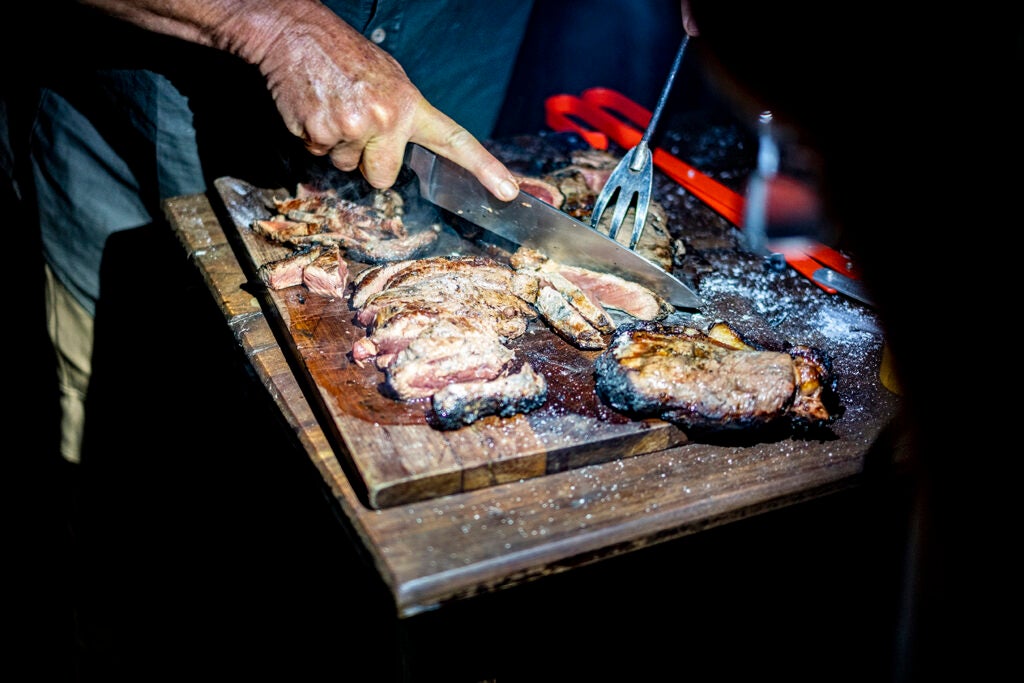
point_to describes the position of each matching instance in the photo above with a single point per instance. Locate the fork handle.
(666, 90)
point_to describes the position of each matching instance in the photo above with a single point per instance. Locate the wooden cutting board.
(388, 445)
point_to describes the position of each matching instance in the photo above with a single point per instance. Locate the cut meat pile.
(439, 327)
(442, 328)
(320, 224)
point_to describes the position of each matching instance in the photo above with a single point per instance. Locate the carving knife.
(530, 222)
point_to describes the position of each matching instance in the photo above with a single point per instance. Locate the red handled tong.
(600, 114)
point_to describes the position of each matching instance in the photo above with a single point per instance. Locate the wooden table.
(439, 551)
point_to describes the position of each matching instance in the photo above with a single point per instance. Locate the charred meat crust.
(458, 405)
(683, 376)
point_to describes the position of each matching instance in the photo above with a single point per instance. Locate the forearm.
(246, 28)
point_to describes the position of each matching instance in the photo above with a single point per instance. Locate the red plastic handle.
(607, 113)
(568, 113)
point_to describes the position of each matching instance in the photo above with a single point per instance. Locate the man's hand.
(341, 94)
(349, 99)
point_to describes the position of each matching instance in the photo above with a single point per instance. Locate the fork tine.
(602, 203)
(621, 207)
(640, 217)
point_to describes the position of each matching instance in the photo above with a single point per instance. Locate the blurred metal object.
(633, 177)
(755, 220)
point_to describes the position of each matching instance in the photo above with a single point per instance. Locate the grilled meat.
(464, 403)
(686, 377)
(371, 233)
(600, 289)
(450, 295)
(439, 325)
(447, 352)
(567, 321)
(327, 274)
(287, 271)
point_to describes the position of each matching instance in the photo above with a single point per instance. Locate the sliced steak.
(284, 230)
(372, 232)
(373, 249)
(327, 274)
(287, 271)
(542, 190)
(601, 289)
(372, 281)
(445, 353)
(567, 321)
(682, 375)
(588, 307)
(481, 271)
(457, 405)
(452, 293)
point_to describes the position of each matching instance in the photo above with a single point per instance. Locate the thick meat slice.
(372, 281)
(608, 290)
(399, 329)
(284, 231)
(446, 353)
(453, 294)
(567, 321)
(461, 404)
(287, 271)
(542, 190)
(686, 377)
(327, 274)
(615, 292)
(480, 271)
(590, 309)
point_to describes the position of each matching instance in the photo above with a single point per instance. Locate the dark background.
(189, 547)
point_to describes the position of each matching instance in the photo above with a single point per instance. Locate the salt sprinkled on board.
(776, 309)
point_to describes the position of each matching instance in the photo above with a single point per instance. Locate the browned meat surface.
(283, 230)
(373, 249)
(567, 321)
(684, 376)
(464, 403)
(481, 271)
(450, 295)
(589, 308)
(287, 271)
(440, 324)
(372, 280)
(372, 232)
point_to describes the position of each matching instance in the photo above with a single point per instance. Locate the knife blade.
(533, 223)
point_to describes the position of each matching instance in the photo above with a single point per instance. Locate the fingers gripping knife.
(633, 178)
